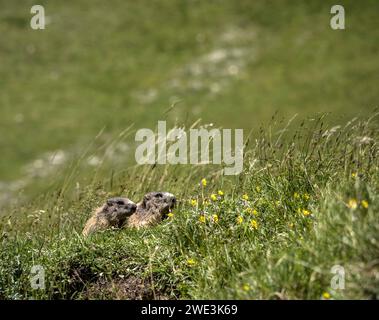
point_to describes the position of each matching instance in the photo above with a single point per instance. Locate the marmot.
(112, 214)
(153, 208)
(119, 212)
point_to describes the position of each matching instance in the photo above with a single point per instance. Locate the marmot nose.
(133, 207)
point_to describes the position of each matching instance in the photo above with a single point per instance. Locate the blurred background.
(102, 66)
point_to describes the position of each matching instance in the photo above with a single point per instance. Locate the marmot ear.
(145, 201)
(111, 201)
(116, 201)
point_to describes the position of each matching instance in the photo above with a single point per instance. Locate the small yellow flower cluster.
(254, 224)
(202, 219)
(193, 202)
(170, 215)
(191, 262)
(353, 204)
(204, 182)
(305, 196)
(354, 174)
(245, 197)
(251, 211)
(246, 287)
(214, 196)
(305, 212)
(326, 295)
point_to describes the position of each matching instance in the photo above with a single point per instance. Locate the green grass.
(95, 64)
(80, 89)
(288, 256)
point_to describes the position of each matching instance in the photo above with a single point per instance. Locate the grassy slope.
(93, 63)
(69, 82)
(288, 255)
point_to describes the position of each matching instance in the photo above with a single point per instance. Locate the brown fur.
(112, 214)
(118, 212)
(153, 208)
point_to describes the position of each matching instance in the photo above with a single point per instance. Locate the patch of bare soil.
(130, 288)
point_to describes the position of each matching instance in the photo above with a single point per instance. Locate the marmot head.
(158, 202)
(118, 209)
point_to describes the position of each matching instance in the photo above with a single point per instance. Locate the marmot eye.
(159, 195)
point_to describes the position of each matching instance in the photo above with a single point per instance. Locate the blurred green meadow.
(107, 65)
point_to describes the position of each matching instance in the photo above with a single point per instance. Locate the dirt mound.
(130, 288)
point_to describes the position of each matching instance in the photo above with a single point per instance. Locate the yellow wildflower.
(254, 224)
(204, 182)
(220, 193)
(296, 195)
(306, 196)
(170, 215)
(352, 204)
(202, 219)
(326, 295)
(306, 212)
(246, 287)
(251, 211)
(215, 218)
(354, 175)
(193, 202)
(213, 197)
(245, 197)
(191, 262)
(364, 204)
(239, 219)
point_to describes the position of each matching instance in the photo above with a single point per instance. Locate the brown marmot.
(153, 208)
(112, 214)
